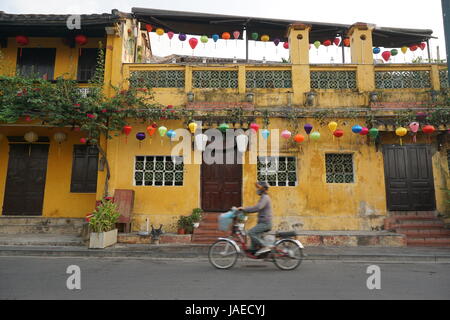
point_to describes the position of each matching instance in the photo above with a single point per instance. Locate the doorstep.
(166, 238)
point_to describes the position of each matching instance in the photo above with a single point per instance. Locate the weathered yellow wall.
(58, 200)
(66, 58)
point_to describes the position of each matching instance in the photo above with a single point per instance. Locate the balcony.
(387, 86)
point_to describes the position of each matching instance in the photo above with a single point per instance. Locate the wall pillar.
(298, 35)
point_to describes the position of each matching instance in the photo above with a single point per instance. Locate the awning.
(208, 24)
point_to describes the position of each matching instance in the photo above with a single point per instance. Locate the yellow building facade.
(316, 193)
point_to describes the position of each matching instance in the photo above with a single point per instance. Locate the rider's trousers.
(256, 232)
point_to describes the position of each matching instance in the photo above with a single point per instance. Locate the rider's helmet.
(263, 185)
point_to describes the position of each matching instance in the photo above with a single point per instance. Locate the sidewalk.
(190, 251)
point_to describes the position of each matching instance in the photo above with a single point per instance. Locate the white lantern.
(60, 137)
(200, 142)
(31, 137)
(242, 143)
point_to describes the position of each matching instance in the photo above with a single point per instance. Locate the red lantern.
(22, 40)
(422, 46)
(428, 129)
(286, 45)
(386, 55)
(151, 130)
(364, 131)
(193, 42)
(148, 27)
(347, 42)
(254, 126)
(338, 133)
(414, 48)
(337, 41)
(127, 130)
(83, 140)
(327, 43)
(81, 40)
(299, 138)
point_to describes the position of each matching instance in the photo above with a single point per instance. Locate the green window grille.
(333, 79)
(158, 171)
(215, 79)
(339, 168)
(277, 171)
(269, 79)
(402, 79)
(443, 77)
(157, 79)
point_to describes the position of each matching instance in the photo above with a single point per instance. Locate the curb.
(200, 252)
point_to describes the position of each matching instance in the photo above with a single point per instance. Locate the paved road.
(112, 278)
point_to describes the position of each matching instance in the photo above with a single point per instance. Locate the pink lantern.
(236, 35)
(286, 134)
(254, 126)
(286, 45)
(414, 126)
(386, 55)
(364, 131)
(170, 34)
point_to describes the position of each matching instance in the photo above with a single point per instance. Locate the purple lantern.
(308, 128)
(276, 41)
(140, 136)
(182, 37)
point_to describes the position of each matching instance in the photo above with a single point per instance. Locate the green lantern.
(373, 133)
(255, 36)
(315, 136)
(224, 127)
(204, 39)
(394, 52)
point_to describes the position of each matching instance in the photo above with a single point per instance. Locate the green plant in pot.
(103, 225)
(196, 217)
(184, 225)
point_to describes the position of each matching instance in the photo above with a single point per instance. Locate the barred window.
(269, 79)
(157, 79)
(278, 171)
(215, 79)
(402, 79)
(333, 79)
(339, 167)
(158, 171)
(443, 77)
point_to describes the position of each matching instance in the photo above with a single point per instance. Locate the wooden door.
(409, 178)
(221, 185)
(25, 181)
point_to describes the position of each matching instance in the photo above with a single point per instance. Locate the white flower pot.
(196, 225)
(103, 239)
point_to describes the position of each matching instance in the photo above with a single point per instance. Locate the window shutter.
(84, 169)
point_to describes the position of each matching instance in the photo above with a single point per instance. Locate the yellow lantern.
(332, 126)
(404, 50)
(160, 31)
(31, 137)
(401, 132)
(60, 137)
(193, 127)
(265, 38)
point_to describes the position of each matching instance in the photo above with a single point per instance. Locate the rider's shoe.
(263, 250)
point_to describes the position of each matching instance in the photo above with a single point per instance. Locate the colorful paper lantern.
(346, 42)
(162, 131)
(265, 134)
(308, 128)
(357, 129)
(170, 35)
(255, 36)
(81, 39)
(327, 43)
(31, 137)
(401, 132)
(414, 127)
(226, 36)
(200, 142)
(317, 44)
(140, 136)
(376, 50)
(171, 134)
(192, 127)
(215, 37)
(428, 129)
(60, 137)
(286, 134)
(159, 31)
(364, 131)
(338, 133)
(22, 40)
(332, 126)
(204, 39)
(386, 55)
(394, 52)
(127, 130)
(148, 27)
(315, 136)
(182, 37)
(224, 127)
(413, 47)
(404, 50)
(242, 143)
(276, 42)
(254, 126)
(373, 133)
(83, 140)
(299, 138)
(151, 130)
(337, 41)
(265, 38)
(193, 43)
(422, 46)
(286, 45)
(236, 34)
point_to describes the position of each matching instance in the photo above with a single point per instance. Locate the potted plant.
(103, 225)
(196, 217)
(183, 224)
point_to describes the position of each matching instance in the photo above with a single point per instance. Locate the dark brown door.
(221, 185)
(25, 182)
(409, 178)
